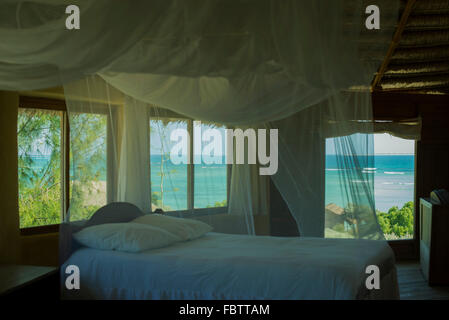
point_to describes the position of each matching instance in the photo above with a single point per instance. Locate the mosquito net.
(162, 95)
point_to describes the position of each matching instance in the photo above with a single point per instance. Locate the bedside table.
(31, 282)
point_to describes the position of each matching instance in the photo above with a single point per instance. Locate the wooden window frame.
(406, 249)
(38, 103)
(191, 210)
(191, 181)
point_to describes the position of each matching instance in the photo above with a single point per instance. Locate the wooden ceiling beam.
(394, 43)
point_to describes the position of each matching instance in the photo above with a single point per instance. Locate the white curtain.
(289, 65)
(246, 180)
(134, 180)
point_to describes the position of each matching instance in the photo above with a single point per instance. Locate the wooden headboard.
(115, 212)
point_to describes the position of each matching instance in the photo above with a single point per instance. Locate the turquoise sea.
(209, 183)
(393, 181)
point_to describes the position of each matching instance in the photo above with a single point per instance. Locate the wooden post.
(9, 188)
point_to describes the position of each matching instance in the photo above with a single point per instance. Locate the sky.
(384, 143)
(158, 130)
(387, 144)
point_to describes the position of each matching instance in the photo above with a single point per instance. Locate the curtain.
(300, 67)
(134, 170)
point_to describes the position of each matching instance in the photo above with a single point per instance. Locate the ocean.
(393, 181)
(209, 183)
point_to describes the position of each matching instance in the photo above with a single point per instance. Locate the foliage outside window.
(39, 160)
(88, 145)
(43, 185)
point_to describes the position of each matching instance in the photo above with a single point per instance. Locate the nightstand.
(33, 282)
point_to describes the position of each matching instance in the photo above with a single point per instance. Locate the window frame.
(408, 248)
(191, 211)
(26, 102)
(111, 117)
(53, 104)
(402, 247)
(39, 103)
(395, 242)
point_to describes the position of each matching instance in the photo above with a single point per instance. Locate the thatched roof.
(333, 208)
(419, 62)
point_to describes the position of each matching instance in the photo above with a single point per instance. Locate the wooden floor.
(412, 285)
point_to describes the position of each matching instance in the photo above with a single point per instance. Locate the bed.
(225, 266)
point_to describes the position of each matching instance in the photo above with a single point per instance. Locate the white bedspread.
(222, 266)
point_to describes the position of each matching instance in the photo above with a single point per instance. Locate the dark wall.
(432, 151)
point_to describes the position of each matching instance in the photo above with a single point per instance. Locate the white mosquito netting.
(138, 75)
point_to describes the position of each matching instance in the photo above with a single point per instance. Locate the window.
(40, 154)
(202, 183)
(210, 169)
(88, 182)
(62, 166)
(169, 181)
(394, 185)
(47, 177)
(393, 175)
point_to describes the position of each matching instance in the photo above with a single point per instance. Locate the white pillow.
(186, 229)
(128, 237)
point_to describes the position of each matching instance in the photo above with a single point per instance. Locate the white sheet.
(222, 266)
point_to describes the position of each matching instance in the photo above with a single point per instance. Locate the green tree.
(88, 143)
(39, 159)
(222, 203)
(397, 221)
